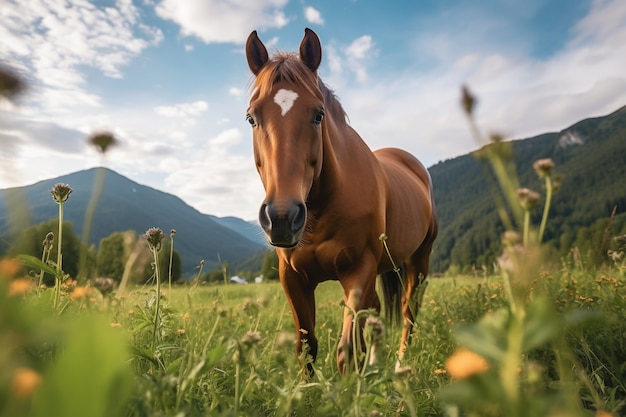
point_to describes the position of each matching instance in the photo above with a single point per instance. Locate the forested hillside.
(589, 157)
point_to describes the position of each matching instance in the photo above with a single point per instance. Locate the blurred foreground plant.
(493, 370)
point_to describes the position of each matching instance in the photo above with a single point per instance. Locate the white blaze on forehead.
(285, 99)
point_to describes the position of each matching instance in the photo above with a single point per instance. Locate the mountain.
(589, 156)
(127, 205)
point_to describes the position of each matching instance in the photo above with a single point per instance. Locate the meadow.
(228, 350)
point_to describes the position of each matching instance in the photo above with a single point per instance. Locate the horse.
(333, 209)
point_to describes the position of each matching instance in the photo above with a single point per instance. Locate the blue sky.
(169, 78)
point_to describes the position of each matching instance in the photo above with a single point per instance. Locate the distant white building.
(238, 280)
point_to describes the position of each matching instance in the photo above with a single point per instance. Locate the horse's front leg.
(301, 297)
(359, 294)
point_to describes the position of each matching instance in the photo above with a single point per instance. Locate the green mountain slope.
(127, 205)
(590, 156)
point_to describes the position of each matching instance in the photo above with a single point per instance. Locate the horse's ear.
(311, 50)
(256, 53)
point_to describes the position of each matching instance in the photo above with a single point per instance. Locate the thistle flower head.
(154, 236)
(543, 167)
(102, 141)
(61, 192)
(528, 198)
(468, 101)
(48, 240)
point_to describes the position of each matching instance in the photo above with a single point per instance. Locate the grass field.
(229, 351)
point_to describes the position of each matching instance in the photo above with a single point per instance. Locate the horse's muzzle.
(283, 228)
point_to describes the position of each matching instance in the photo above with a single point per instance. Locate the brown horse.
(330, 201)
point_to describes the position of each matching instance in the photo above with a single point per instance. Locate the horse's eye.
(319, 116)
(250, 120)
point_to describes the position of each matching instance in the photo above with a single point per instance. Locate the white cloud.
(236, 92)
(53, 39)
(223, 21)
(312, 15)
(183, 109)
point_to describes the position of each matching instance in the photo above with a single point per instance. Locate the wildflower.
(468, 101)
(543, 167)
(465, 363)
(603, 413)
(47, 241)
(61, 192)
(24, 382)
(9, 267)
(180, 332)
(102, 141)
(621, 241)
(251, 339)
(154, 236)
(20, 286)
(115, 325)
(511, 238)
(440, 371)
(80, 292)
(104, 285)
(527, 198)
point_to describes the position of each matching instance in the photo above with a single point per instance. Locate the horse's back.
(410, 216)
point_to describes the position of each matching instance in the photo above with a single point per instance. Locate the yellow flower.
(9, 267)
(80, 292)
(24, 382)
(465, 363)
(116, 325)
(20, 286)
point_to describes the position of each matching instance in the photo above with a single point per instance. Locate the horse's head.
(286, 113)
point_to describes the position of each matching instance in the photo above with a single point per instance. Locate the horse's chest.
(324, 262)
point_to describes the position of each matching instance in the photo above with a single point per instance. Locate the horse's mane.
(288, 67)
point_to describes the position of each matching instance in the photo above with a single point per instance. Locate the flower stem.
(546, 209)
(59, 275)
(158, 298)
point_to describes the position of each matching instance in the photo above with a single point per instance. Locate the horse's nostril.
(264, 217)
(297, 216)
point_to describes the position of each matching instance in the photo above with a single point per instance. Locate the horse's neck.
(343, 148)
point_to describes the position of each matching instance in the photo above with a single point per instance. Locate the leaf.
(541, 325)
(90, 376)
(487, 337)
(36, 263)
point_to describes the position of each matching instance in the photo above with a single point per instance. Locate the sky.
(169, 79)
